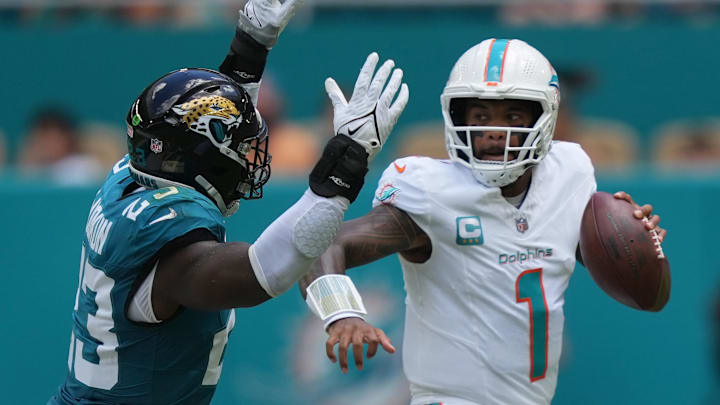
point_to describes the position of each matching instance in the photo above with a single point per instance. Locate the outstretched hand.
(357, 332)
(370, 115)
(264, 20)
(645, 214)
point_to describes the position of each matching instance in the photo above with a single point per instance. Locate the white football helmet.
(501, 69)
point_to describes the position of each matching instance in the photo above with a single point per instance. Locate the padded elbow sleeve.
(287, 248)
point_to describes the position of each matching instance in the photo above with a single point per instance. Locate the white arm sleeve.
(287, 248)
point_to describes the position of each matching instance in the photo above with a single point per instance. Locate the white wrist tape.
(333, 297)
(287, 248)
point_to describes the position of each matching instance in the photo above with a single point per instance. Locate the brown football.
(623, 257)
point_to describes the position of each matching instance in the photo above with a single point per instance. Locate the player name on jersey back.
(97, 228)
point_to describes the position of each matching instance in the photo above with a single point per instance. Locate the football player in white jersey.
(487, 240)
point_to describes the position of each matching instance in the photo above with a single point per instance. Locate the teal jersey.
(112, 359)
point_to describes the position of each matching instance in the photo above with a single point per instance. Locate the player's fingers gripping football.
(645, 214)
(368, 118)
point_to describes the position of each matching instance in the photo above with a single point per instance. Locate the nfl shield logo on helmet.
(156, 145)
(521, 224)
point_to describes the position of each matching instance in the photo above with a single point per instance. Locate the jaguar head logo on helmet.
(213, 139)
(500, 69)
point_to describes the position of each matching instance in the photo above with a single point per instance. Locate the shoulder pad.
(403, 185)
(571, 157)
(152, 218)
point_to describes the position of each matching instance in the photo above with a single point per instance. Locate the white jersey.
(484, 317)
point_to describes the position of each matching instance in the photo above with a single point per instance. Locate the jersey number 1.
(529, 288)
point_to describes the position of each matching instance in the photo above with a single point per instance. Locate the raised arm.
(212, 275)
(259, 26)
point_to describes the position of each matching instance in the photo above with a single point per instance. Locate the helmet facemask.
(257, 160)
(533, 144)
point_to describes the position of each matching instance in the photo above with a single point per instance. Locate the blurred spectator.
(574, 81)
(694, 10)
(424, 139)
(51, 149)
(611, 145)
(554, 12)
(104, 143)
(688, 144)
(142, 13)
(180, 13)
(294, 148)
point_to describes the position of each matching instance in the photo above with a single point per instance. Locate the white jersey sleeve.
(403, 185)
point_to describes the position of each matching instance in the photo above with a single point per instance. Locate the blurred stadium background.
(640, 91)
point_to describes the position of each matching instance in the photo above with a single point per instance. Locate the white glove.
(369, 117)
(264, 20)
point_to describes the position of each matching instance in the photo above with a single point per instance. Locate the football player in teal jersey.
(158, 283)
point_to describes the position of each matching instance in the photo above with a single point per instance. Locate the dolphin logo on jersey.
(387, 194)
(201, 114)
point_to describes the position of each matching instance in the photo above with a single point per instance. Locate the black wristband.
(246, 60)
(341, 169)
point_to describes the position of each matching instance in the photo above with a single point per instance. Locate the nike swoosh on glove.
(370, 115)
(264, 20)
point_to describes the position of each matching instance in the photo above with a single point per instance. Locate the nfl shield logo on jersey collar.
(521, 224)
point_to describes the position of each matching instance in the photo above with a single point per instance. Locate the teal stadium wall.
(649, 72)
